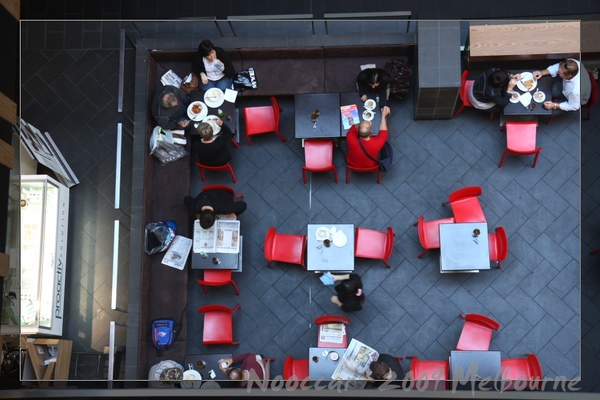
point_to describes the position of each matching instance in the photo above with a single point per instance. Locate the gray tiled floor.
(535, 296)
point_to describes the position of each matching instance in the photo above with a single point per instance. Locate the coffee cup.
(223, 365)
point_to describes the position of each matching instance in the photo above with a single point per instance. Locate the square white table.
(332, 258)
(460, 250)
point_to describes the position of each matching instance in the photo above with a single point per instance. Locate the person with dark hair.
(374, 80)
(350, 295)
(211, 202)
(212, 149)
(387, 368)
(356, 156)
(252, 369)
(571, 85)
(492, 90)
(214, 67)
(170, 108)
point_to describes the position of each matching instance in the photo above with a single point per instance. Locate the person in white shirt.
(571, 86)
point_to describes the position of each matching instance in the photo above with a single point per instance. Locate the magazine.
(178, 252)
(222, 237)
(171, 78)
(349, 115)
(355, 362)
(332, 333)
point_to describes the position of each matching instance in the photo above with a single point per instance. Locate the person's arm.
(227, 361)
(552, 70)
(572, 104)
(382, 92)
(240, 358)
(385, 111)
(229, 69)
(361, 82)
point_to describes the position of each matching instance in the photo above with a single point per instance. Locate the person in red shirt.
(252, 369)
(356, 157)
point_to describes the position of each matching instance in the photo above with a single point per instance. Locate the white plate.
(524, 77)
(366, 117)
(340, 239)
(214, 97)
(322, 233)
(541, 99)
(191, 379)
(370, 104)
(514, 100)
(215, 126)
(197, 117)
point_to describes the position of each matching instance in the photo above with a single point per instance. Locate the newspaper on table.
(222, 237)
(171, 78)
(332, 333)
(178, 252)
(355, 362)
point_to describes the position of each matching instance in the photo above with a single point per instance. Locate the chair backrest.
(464, 193)
(482, 320)
(463, 86)
(536, 369)
(275, 110)
(594, 94)
(331, 319)
(219, 187)
(501, 244)
(288, 368)
(269, 243)
(389, 243)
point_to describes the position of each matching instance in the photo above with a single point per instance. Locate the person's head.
(364, 129)
(207, 218)
(351, 288)
(567, 68)
(374, 78)
(205, 131)
(499, 78)
(169, 100)
(379, 369)
(235, 374)
(207, 49)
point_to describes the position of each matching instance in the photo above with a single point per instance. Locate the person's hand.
(513, 81)
(385, 111)
(219, 121)
(227, 361)
(184, 123)
(548, 105)
(363, 97)
(204, 78)
(220, 63)
(537, 74)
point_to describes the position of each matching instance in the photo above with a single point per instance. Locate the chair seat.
(521, 138)
(288, 248)
(430, 370)
(215, 276)
(468, 210)
(475, 338)
(432, 232)
(259, 120)
(369, 243)
(218, 328)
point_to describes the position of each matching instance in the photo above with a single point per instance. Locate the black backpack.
(399, 73)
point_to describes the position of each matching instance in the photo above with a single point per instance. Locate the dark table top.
(228, 260)
(227, 107)
(544, 84)
(328, 123)
(353, 98)
(211, 362)
(320, 364)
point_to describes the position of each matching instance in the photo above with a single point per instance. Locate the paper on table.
(525, 98)
(230, 95)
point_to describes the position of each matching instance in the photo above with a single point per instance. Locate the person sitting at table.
(211, 202)
(252, 369)
(571, 86)
(356, 156)
(374, 80)
(169, 108)
(386, 369)
(492, 90)
(213, 66)
(350, 295)
(212, 149)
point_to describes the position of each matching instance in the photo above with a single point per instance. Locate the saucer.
(513, 99)
(214, 97)
(368, 115)
(541, 99)
(340, 239)
(191, 379)
(370, 104)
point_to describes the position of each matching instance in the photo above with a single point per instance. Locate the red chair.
(465, 86)
(477, 332)
(218, 324)
(284, 247)
(217, 277)
(595, 251)
(429, 233)
(435, 373)
(223, 187)
(358, 169)
(295, 369)
(465, 205)
(325, 320)
(520, 140)
(522, 369)
(593, 96)
(498, 243)
(226, 167)
(318, 156)
(374, 244)
(263, 119)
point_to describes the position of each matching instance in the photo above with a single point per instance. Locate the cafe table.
(461, 249)
(204, 363)
(353, 98)
(468, 366)
(217, 260)
(544, 85)
(321, 363)
(339, 256)
(227, 107)
(328, 122)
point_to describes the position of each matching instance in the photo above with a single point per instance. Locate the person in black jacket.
(492, 90)
(386, 369)
(350, 295)
(374, 80)
(213, 66)
(211, 202)
(210, 149)
(170, 108)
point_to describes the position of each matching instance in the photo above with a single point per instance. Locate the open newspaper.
(222, 237)
(177, 253)
(170, 78)
(355, 362)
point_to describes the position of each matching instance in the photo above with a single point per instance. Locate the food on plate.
(196, 108)
(539, 96)
(528, 84)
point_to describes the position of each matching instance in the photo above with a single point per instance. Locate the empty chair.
(522, 373)
(498, 242)
(429, 374)
(263, 119)
(284, 247)
(358, 169)
(520, 140)
(218, 324)
(295, 369)
(465, 86)
(217, 277)
(374, 244)
(429, 233)
(329, 324)
(465, 204)
(226, 167)
(477, 332)
(318, 157)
